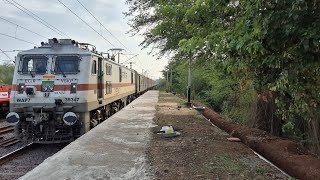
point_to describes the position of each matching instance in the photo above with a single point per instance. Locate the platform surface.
(115, 149)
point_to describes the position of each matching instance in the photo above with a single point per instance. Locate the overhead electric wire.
(141, 65)
(43, 20)
(108, 30)
(7, 55)
(40, 20)
(86, 23)
(18, 39)
(23, 27)
(103, 25)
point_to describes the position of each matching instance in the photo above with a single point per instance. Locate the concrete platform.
(115, 149)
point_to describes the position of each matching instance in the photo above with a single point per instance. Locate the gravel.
(25, 162)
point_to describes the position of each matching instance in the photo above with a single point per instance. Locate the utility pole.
(167, 82)
(189, 84)
(116, 51)
(171, 78)
(119, 57)
(130, 65)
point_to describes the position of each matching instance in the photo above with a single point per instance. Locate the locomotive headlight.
(21, 88)
(47, 86)
(73, 88)
(13, 118)
(70, 118)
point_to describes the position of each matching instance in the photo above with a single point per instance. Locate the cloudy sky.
(67, 25)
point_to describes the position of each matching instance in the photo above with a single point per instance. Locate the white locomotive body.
(62, 89)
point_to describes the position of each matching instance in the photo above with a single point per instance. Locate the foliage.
(6, 74)
(240, 104)
(161, 86)
(273, 44)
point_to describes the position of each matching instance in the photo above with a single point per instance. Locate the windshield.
(34, 64)
(66, 64)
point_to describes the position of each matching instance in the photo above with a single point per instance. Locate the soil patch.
(202, 151)
(289, 156)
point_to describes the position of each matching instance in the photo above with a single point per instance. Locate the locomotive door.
(100, 79)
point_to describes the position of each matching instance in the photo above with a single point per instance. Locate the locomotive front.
(47, 99)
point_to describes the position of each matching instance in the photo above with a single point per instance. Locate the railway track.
(16, 153)
(20, 161)
(9, 141)
(6, 129)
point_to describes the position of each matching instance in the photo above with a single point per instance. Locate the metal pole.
(130, 65)
(167, 82)
(189, 84)
(119, 57)
(171, 78)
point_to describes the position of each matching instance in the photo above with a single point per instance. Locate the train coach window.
(108, 87)
(33, 64)
(131, 78)
(94, 67)
(66, 64)
(108, 69)
(120, 74)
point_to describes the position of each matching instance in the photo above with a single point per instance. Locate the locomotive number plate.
(71, 99)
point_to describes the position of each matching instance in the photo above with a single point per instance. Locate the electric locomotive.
(63, 88)
(4, 99)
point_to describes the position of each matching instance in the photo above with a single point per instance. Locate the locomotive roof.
(57, 49)
(61, 46)
(65, 46)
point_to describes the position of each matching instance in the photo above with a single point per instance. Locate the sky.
(67, 25)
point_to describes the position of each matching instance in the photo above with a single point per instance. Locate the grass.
(230, 162)
(261, 170)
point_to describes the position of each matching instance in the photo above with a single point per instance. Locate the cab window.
(33, 63)
(66, 64)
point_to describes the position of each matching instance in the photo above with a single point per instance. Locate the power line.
(23, 28)
(6, 55)
(86, 23)
(140, 62)
(107, 30)
(40, 20)
(103, 25)
(17, 39)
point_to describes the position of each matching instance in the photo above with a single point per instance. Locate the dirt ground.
(202, 151)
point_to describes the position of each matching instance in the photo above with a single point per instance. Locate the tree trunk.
(265, 117)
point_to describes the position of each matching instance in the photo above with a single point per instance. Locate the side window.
(94, 67)
(108, 87)
(108, 69)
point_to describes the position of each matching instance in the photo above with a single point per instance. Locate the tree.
(6, 74)
(274, 44)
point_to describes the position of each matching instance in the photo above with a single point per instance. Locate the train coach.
(62, 89)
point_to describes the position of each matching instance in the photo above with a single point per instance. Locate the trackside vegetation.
(6, 74)
(255, 61)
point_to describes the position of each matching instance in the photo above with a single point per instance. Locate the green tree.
(6, 74)
(274, 45)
